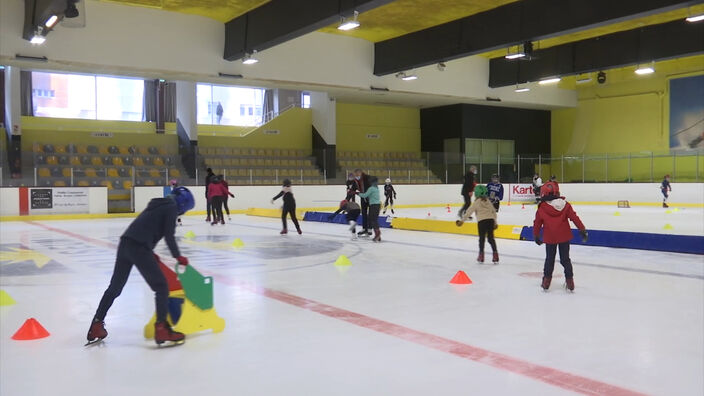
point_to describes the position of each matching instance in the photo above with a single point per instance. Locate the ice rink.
(390, 324)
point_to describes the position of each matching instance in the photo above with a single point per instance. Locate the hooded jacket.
(553, 218)
(217, 189)
(483, 208)
(372, 195)
(468, 185)
(157, 221)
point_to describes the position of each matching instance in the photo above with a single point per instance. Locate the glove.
(231, 195)
(584, 235)
(538, 241)
(182, 260)
(459, 223)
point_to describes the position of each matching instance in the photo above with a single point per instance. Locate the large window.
(87, 96)
(223, 105)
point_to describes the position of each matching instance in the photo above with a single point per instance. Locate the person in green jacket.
(372, 194)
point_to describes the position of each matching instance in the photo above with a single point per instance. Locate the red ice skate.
(480, 257)
(207, 219)
(546, 283)
(222, 221)
(377, 235)
(163, 333)
(569, 284)
(96, 332)
(284, 232)
(495, 258)
(299, 231)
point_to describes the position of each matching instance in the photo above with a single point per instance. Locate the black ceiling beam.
(632, 47)
(508, 25)
(279, 21)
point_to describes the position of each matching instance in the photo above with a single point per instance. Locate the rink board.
(324, 217)
(634, 240)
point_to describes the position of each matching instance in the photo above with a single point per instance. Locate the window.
(489, 151)
(226, 105)
(87, 96)
(305, 100)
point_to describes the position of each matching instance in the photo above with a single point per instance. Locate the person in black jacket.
(468, 190)
(351, 185)
(362, 181)
(208, 179)
(136, 246)
(289, 207)
(390, 194)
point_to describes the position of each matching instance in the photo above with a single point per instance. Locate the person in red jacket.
(217, 192)
(552, 217)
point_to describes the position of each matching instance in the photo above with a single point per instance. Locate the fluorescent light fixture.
(695, 18)
(406, 77)
(643, 70)
(584, 79)
(547, 81)
(516, 55)
(349, 24)
(37, 39)
(51, 21)
(249, 59)
(521, 89)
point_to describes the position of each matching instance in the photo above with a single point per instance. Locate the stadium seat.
(43, 172)
(90, 172)
(49, 149)
(55, 172)
(127, 184)
(66, 172)
(82, 149)
(138, 161)
(96, 161)
(149, 183)
(59, 183)
(112, 172)
(93, 150)
(173, 172)
(52, 160)
(154, 173)
(117, 161)
(124, 172)
(106, 183)
(158, 161)
(75, 161)
(83, 183)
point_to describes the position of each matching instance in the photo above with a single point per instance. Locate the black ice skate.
(96, 332)
(664, 205)
(364, 233)
(164, 334)
(299, 231)
(495, 258)
(480, 258)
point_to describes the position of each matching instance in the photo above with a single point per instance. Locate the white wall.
(324, 115)
(161, 44)
(325, 196)
(10, 201)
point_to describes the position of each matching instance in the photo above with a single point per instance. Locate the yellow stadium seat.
(43, 172)
(117, 161)
(149, 183)
(173, 172)
(103, 150)
(124, 150)
(261, 152)
(61, 149)
(96, 161)
(112, 172)
(234, 161)
(106, 183)
(216, 162)
(90, 172)
(226, 162)
(66, 172)
(83, 183)
(52, 160)
(242, 172)
(269, 152)
(138, 161)
(154, 173)
(235, 151)
(158, 161)
(82, 149)
(75, 161)
(127, 184)
(259, 161)
(59, 183)
(38, 148)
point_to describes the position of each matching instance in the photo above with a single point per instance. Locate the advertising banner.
(59, 200)
(521, 193)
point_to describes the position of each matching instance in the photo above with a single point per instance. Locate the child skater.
(486, 222)
(553, 217)
(665, 188)
(496, 191)
(136, 246)
(217, 192)
(352, 212)
(289, 207)
(351, 185)
(174, 185)
(372, 195)
(390, 194)
(467, 190)
(229, 195)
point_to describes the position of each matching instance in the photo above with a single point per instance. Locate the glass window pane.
(228, 103)
(204, 98)
(473, 150)
(63, 95)
(120, 98)
(490, 151)
(305, 102)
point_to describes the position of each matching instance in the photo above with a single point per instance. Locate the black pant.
(352, 215)
(550, 251)
(131, 253)
(365, 213)
(389, 200)
(467, 202)
(224, 203)
(208, 206)
(486, 230)
(217, 202)
(374, 216)
(496, 205)
(289, 210)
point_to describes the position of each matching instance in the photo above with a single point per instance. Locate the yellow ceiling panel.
(406, 16)
(220, 10)
(604, 30)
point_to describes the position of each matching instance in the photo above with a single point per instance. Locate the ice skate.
(364, 233)
(352, 224)
(384, 212)
(569, 285)
(495, 258)
(664, 205)
(229, 218)
(284, 232)
(392, 211)
(354, 237)
(214, 223)
(164, 334)
(546, 283)
(480, 258)
(222, 221)
(299, 231)
(96, 332)
(207, 219)
(377, 235)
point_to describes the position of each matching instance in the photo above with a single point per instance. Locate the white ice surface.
(635, 321)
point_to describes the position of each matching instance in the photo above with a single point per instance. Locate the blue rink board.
(324, 217)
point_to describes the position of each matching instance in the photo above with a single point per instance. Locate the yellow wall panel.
(397, 128)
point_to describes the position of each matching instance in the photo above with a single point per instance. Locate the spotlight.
(643, 70)
(601, 77)
(547, 81)
(71, 10)
(38, 37)
(249, 59)
(525, 50)
(584, 79)
(520, 89)
(695, 18)
(51, 21)
(441, 66)
(349, 24)
(406, 77)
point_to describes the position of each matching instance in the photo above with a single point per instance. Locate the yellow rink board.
(449, 227)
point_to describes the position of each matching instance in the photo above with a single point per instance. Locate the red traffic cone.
(30, 330)
(448, 209)
(509, 203)
(461, 278)
(523, 206)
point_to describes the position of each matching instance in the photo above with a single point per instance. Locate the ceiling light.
(584, 80)
(349, 24)
(515, 55)
(38, 37)
(695, 18)
(249, 59)
(643, 70)
(549, 81)
(406, 77)
(51, 21)
(71, 10)
(521, 89)
(524, 50)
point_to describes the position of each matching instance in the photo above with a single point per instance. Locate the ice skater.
(351, 185)
(665, 188)
(496, 191)
(372, 196)
(217, 193)
(362, 183)
(289, 207)
(467, 190)
(352, 212)
(136, 247)
(537, 184)
(390, 194)
(208, 179)
(486, 222)
(553, 217)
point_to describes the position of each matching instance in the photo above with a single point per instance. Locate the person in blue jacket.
(136, 247)
(496, 191)
(372, 195)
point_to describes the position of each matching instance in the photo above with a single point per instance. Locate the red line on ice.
(549, 375)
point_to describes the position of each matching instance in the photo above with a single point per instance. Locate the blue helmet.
(184, 199)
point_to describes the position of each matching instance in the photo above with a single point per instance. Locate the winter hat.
(480, 191)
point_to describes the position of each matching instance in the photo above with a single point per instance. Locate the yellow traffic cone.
(6, 299)
(237, 243)
(343, 261)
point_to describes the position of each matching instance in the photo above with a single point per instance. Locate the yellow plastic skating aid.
(192, 320)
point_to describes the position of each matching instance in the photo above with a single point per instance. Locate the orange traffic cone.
(509, 203)
(448, 209)
(30, 330)
(461, 278)
(523, 206)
